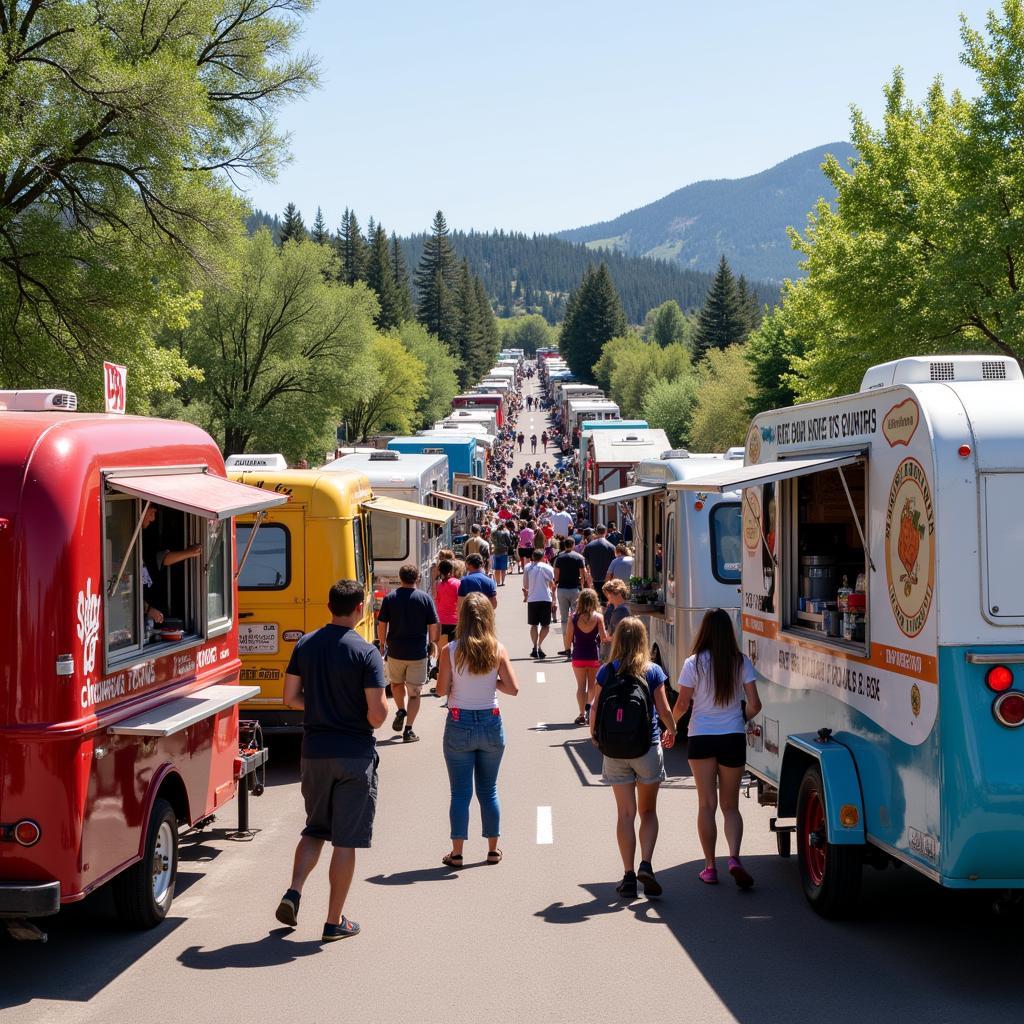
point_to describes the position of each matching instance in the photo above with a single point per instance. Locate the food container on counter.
(817, 576)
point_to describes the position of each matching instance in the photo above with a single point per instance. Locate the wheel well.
(172, 789)
(794, 765)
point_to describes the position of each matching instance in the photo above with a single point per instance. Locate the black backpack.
(624, 714)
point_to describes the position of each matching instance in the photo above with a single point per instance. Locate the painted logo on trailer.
(88, 628)
(751, 517)
(754, 445)
(910, 547)
(900, 423)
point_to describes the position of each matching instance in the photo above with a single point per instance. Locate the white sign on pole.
(115, 387)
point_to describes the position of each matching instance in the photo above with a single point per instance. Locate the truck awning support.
(856, 518)
(128, 551)
(257, 522)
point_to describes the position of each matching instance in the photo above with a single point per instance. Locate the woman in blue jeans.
(473, 668)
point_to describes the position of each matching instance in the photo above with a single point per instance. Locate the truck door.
(271, 601)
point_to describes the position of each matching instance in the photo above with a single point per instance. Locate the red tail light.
(999, 678)
(27, 832)
(1009, 709)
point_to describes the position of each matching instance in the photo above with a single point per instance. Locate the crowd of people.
(573, 575)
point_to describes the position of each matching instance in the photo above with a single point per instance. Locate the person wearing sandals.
(475, 667)
(635, 781)
(717, 677)
(586, 633)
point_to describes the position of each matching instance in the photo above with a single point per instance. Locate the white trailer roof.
(630, 445)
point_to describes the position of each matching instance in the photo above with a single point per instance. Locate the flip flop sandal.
(452, 860)
(494, 856)
(709, 876)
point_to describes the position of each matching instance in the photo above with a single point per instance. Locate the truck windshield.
(726, 545)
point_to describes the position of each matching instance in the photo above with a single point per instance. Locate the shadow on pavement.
(438, 874)
(272, 950)
(915, 951)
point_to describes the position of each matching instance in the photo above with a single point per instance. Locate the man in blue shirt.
(476, 581)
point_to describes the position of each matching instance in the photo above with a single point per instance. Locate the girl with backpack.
(718, 678)
(629, 697)
(585, 633)
(475, 667)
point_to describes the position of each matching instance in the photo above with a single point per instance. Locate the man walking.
(521, 438)
(476, 545)
(533, 443)
(337, 678)
(477, 581)
(538, 593)
(561, 521)
(501, 545)
(408, 629)
(598, 555)
(570, 573)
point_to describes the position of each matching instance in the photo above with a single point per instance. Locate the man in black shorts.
(338, 679)
(538, 593)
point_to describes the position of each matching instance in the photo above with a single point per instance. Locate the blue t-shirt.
(477, 583)
(654, 676)
(336, 665)
(408, 612)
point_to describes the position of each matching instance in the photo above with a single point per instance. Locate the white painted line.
(541, 677)
(545, 832)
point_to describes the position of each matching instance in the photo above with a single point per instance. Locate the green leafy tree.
(351, 247)
(120, 127)
(923, 250)
(400, 274)
(319, 232)
(440, 372)
(282, 350)
(723, 320)
(666, 324)
(391, 400)
(529, 333)
(639, 366)
(724, 387)
(669, 405)
(770, 350)
(593, 317)
(380, 278)
(436, 279)
(293, 228)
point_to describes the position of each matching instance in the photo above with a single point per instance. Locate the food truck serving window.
(269, 565)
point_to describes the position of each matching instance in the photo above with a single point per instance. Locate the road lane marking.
(545, 832)
(541, 677)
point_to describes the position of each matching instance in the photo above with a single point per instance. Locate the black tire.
(142, 894)
(784, 843)
(830, 874)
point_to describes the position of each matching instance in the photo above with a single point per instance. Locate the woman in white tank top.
(476, 667)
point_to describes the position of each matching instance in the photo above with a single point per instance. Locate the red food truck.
(119, 666)
(482, 401)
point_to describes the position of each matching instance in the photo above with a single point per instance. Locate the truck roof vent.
(991, 370)
(941, 371)
(385, 455)
(737, 452)
(38, 400)
(676, 453)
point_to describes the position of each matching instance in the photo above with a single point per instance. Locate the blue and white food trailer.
(883, 606)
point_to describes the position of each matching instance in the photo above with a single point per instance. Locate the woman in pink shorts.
(585, 634)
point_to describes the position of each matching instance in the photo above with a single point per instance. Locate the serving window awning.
(458, 499)
(625, 493)
(178, 715)
(466, 478)
(766, 473)
(197, 492)
(409, 510)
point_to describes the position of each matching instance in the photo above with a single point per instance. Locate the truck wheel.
(830, 873)
(144, 892)
(784, 844)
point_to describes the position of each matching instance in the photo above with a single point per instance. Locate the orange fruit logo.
(910, 547)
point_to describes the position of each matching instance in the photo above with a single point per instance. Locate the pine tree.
(319, 232)
(403, 300)
(351, 249)
(593, 316)
(436, 280)
(292, 227)
(489, 329)
(380, 278)
(748, 300)
(723, 319)
(469, 346)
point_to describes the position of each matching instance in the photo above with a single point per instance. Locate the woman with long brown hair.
(585, 633)
(635, 781)
(473, 668)
(718, 678)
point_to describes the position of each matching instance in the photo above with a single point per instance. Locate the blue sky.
(538, 116)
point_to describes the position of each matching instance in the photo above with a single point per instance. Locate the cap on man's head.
(475, 561)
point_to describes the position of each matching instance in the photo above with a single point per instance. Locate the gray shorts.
(341, 799)
(646, 770)
(566, 601)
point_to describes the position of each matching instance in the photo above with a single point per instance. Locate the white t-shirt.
(537, 577)
(707, 717)
(470, 692)
(561, 523)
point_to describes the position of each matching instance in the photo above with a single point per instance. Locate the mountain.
(744, 218)
(535, 273)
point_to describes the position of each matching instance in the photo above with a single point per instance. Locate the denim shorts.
(499, 563)
(647, 770)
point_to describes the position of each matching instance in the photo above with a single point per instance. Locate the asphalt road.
(540, 937)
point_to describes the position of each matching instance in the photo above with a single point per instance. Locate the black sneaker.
(399, 719)
(627, 887)
(409, 736)
(533, 653)
(333, 932)
(565, 654)
(288, 908)
(652, 887)
(540, 653)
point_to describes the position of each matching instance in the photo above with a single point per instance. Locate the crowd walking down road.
(491, 847)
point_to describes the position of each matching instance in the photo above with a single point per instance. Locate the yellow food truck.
(320, 535)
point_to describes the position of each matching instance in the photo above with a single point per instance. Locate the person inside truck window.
(155, 563)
